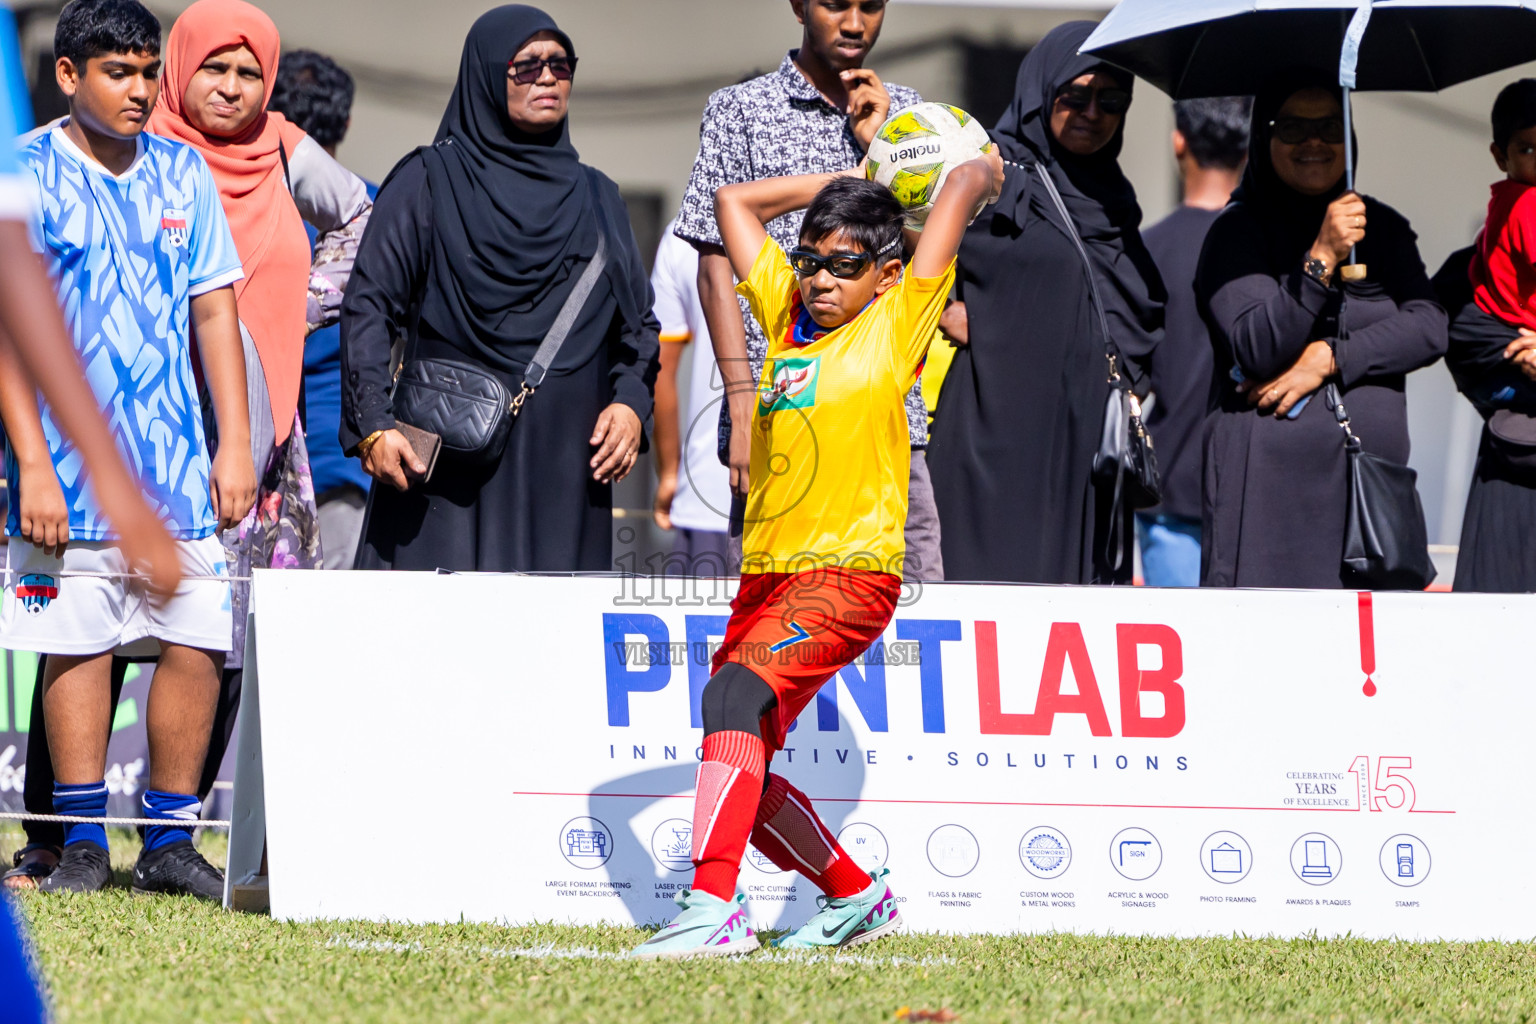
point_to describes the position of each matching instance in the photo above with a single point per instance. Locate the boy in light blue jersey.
(133, 234)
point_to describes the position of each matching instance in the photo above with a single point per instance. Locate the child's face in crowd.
(225, 93)
(1518, 158)
(113, 94)
(833, 301)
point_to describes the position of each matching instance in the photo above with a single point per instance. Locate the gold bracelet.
(366, 444)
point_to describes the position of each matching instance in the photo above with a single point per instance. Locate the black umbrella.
(1191, 48)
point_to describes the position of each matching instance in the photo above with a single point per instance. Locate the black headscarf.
(1097, 193)
(1291, 220)
(512, 212)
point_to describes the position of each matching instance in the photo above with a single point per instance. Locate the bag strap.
(282, 154)
(539, 365)
(1331, 393)
(1111, 351)
(1335, 402)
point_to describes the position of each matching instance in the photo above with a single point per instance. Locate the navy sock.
(87, 801)
(179, 807)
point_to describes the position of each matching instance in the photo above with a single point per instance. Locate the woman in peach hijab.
(220, 69)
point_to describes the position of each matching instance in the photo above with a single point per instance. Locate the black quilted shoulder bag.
(1385, 539)
(467, 405)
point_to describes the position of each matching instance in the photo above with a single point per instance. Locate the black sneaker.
(179, 870)
(85, 867)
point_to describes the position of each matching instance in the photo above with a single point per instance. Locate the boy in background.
(848, 329)
(693, 491)
(1503, 268)
(133, 235)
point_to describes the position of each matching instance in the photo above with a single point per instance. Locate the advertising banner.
(1022, 758)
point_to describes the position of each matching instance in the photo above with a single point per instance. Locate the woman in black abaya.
(1023, 404)
(1275, 496)
(475, 244)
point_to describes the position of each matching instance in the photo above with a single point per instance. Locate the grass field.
(115, 957)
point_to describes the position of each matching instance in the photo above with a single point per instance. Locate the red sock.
(730, 784)
(790, 834)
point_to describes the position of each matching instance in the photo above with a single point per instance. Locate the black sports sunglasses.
(806, 263)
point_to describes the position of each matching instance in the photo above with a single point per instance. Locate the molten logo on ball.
(914, 151)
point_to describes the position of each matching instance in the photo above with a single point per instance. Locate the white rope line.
(75, 819)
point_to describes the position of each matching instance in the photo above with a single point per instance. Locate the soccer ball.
(915, 149)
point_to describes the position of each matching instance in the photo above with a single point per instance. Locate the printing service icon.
(758, 859)
(1226, 857)
(1045, 852)
(1405, 860)
(586, 843)
(1135, 853)
(1316, 859)
(672, 844)
(953, 851)
(865, 844)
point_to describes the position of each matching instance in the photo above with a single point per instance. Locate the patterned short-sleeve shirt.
(128, 253)
(775, 125)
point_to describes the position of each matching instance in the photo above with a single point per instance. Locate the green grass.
(116, 957)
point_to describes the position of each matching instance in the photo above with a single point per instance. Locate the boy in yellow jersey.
(848, 328)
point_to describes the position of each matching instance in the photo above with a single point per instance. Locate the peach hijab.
(269, 234)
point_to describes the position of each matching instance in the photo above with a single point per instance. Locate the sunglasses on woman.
(844, 265)
(1079, 98)
(1293, 131)
(526, 72)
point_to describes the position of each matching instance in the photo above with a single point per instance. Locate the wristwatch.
(1316, 269)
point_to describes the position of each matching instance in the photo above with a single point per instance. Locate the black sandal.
(34, 870)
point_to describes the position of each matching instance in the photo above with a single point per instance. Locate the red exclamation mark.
(1367, 643)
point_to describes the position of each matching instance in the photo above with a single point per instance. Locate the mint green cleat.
(707, 926)
(848, 920)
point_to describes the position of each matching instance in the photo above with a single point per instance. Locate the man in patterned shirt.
(133, 234)
(815, 115)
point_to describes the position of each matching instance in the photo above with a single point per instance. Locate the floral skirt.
(281, 532)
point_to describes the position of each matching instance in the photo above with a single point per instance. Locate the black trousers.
(37, 796)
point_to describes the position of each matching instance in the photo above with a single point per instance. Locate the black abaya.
(537, 508)
(1023, 405)
(475, 243)
(1275, 488)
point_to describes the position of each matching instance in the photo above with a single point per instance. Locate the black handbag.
(1385, 539)
(1126, 459)
(467, 405)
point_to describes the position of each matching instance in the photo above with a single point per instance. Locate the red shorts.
(795, 630)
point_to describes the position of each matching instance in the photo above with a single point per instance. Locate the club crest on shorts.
(173, 225)
(36, 591)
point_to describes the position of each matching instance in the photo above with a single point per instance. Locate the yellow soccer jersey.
(831, 455)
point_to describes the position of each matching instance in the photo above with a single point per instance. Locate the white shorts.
(84, 603)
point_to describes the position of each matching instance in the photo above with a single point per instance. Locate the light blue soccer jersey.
(128, 254)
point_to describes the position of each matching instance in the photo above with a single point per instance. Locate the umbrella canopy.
(1191, 48)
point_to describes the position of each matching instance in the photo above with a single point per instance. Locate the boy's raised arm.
(964, 191)
(232, 480)
(742, 209)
